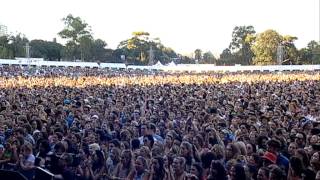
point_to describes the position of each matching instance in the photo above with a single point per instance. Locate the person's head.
(185, 149)
(268, 159)
(197, 141)
(115, 154)
(300, 139)
(318, 175)
(218, 150)
(232, 151)
(148, 141)
(44, 146)
(296, 166)
(273, 146)
(303, 156)
(262, 142)
(135, 144)
(157, 163)
(217, 170)
(263, 173)
(178, 165)
(237, 172)
(144, 129)
(292, 148)
(206, 159)
(27, 149)
(314, 139)
(315, 160)
(93, 148)
(114, 143)
(65, 160)
(59, 148)
(152, 128)
(251, 148)
(140, 164)
(167, 160)
(98, 158)
(197, 170)
(126, 157)
(276, 173)
(169, 139)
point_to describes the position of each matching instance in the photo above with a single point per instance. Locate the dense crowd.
(106, 124)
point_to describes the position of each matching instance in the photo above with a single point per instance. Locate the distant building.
(3, 30)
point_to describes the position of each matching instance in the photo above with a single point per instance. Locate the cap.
(95, 116)
(94, 147)
(270, 156)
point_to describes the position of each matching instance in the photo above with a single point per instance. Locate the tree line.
(246, 48)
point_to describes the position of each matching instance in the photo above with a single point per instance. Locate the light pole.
(280, 51)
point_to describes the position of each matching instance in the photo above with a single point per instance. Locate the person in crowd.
(83, 123)
(217, 171)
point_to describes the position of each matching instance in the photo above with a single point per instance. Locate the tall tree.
(78, 34)
(208, 58)
(198, 55)
(5, 51)
(136, 49)
(18, 45)
(98, 50)
(265, 47)
(241, 45)
(310, 54)
(290, 51)
(227, 58)
(46, 49)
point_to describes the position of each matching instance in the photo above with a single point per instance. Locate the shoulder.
(31, 158)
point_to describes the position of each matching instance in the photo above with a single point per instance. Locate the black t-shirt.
(67, 174)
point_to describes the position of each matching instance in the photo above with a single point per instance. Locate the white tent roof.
(158, 64)
(171, 64)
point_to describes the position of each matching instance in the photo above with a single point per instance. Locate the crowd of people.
(106, 124)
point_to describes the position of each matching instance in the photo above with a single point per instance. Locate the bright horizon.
(183, 25)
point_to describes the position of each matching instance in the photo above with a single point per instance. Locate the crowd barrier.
(174, 68)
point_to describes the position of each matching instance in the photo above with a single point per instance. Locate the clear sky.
(183, 25)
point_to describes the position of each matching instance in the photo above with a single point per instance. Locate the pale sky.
(183, 25)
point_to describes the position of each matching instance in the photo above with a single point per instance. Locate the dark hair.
(60, 146)
(305, 157)
(278, 174)
(161, 171)
(46, 148)
(220, 171)
(150, 138)
(99, 162)
(274, 143)
(296, 166)
(266, 171)
(206, 159)
(115, 142)
(135, 144)
(239, 171)
(199, 169)
(260, 140)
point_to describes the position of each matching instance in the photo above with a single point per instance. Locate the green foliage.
(5, 51)
(136, 49)
(241, 43)
(18, 44)
(74, 29)
(198, 55)
(265, 47)
(45, 49)
(208, 58)
(310, 54)
(79, 38)
(227, 58)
